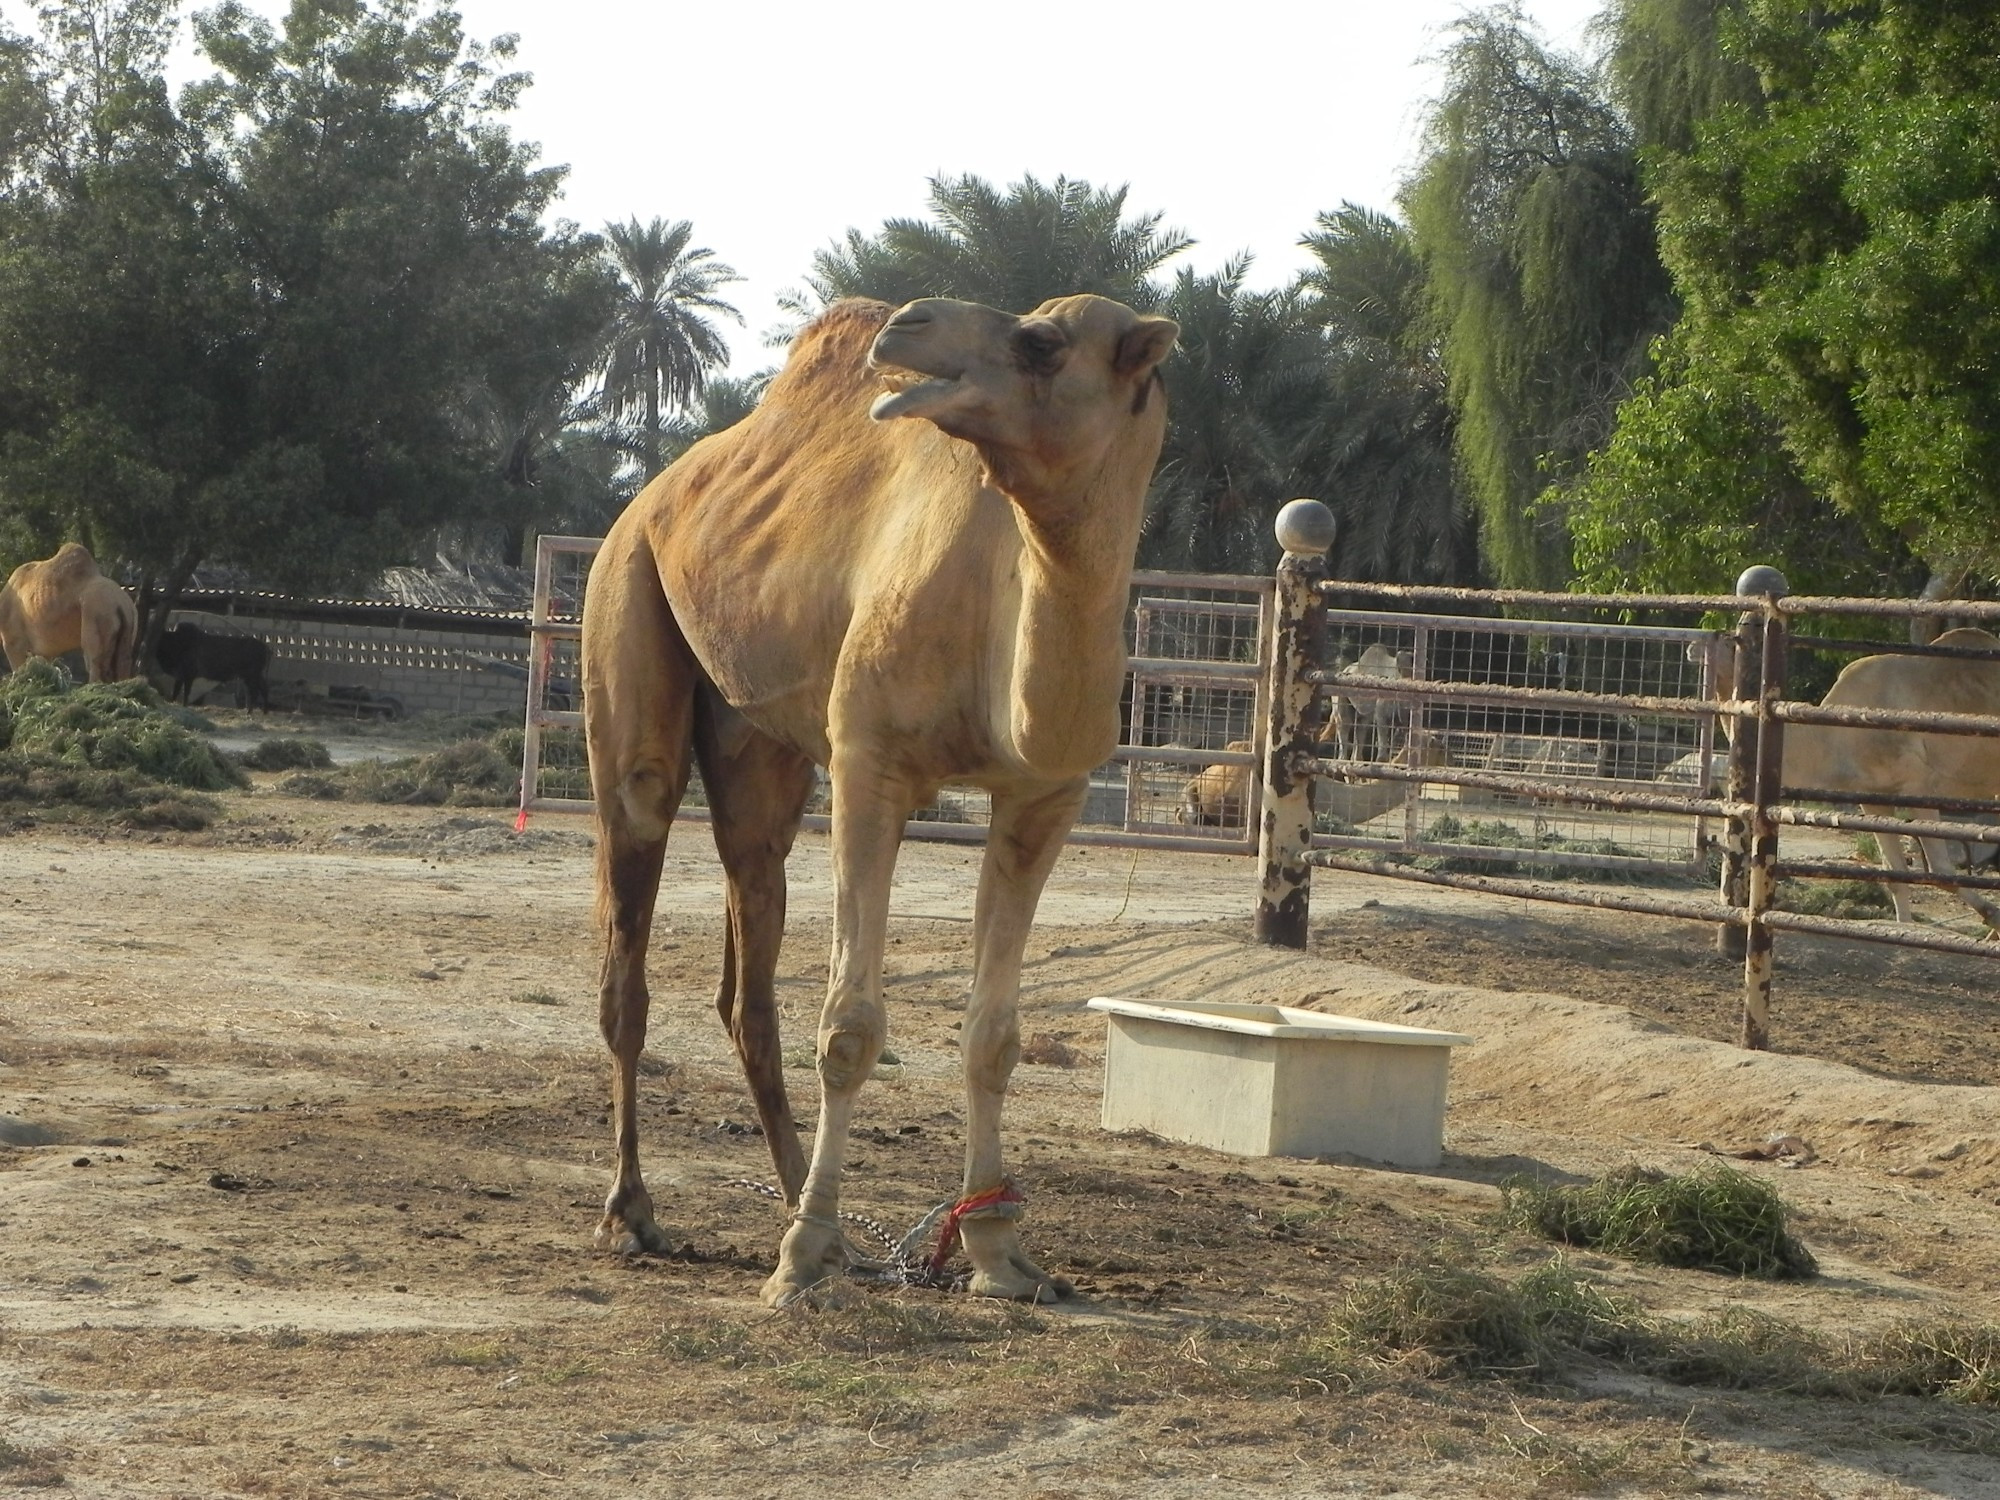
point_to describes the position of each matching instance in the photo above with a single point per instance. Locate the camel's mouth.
(909, 392)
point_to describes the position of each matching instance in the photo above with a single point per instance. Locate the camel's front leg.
(1021, 847)
(868, 814)
(1896, 858)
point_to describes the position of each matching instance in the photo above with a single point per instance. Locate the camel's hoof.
(629, 1235)
(810, 1263)
(999, 1269)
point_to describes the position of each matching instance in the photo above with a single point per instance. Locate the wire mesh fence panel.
(1378, 713)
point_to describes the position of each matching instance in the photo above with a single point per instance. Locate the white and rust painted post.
(1766, 788)
(1745, 681)
(1305, 530)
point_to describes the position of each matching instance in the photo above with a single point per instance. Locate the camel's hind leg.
(1945, 858)
(757, 790)
(639, 687)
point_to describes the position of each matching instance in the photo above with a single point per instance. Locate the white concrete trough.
(1272, 1080)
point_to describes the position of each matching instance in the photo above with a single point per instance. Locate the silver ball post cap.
(1305, 527)
(1762, 581)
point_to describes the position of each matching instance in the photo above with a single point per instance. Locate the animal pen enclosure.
(1586, 743)
(1193, 701)
(1525, 744)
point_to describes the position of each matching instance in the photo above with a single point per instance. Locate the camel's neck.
(1069, 639)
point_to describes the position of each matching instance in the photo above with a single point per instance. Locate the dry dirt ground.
(302, 1137)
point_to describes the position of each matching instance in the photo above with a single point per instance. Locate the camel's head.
(1047, 398)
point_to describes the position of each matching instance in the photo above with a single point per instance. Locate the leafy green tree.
(1543, 279)
(296, 322)
(1012, 248)
(662, 341)
(1837, 245)
(1667, 69)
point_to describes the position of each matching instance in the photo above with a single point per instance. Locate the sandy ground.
(302, 1136)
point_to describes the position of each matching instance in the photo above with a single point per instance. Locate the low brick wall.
(427, 671)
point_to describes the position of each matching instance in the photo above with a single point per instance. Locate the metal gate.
(1578, 729)
(1193, 716)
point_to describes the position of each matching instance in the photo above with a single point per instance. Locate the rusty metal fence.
(1430, 738)
(1184, 778)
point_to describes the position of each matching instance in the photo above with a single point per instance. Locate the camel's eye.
(1041, 346)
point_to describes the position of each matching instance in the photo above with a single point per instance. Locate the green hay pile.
(471, 773)
(1443, 1320)
(286, 753)
(1859, 900)
(1497, 835)
(1715, 1219)
(111, 750)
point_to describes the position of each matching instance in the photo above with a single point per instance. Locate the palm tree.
(1381, 451)
(661, 342)
(1244, 390)
(1010, 248)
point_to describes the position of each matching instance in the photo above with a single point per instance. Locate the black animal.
(187, 652)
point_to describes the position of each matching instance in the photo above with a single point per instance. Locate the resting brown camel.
(1219, 794)
(64, 604)
(907, 603)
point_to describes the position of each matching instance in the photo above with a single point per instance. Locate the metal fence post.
(1305, 530)
(1766, 787)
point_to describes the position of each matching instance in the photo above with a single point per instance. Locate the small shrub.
(1715, 1219)
(286, 753)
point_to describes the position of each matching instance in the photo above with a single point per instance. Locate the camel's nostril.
(909, 318)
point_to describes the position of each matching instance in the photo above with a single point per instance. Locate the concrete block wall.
(430, 671)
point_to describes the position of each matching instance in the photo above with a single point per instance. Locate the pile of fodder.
(1448, 1319)
(286, 753)
(1861, 900)
(471, 773)
(109, 751)
(1713, 1219)
(1502, 836)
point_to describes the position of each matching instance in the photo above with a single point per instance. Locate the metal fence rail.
(1193, 715)
(1622, 719)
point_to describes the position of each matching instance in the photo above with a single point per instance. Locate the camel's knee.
(648, 798)
(850, 1042)
(991, 1047)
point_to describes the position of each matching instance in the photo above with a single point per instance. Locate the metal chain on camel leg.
(902, 1261)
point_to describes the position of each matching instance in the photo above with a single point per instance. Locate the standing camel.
(64, 604)
(906, 603)
(1908, 762)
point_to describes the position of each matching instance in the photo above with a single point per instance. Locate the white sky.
(775, 125)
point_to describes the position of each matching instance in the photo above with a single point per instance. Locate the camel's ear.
(1145, 344)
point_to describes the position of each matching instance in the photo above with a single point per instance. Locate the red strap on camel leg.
(979, 1205)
